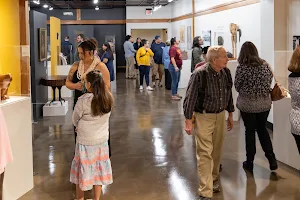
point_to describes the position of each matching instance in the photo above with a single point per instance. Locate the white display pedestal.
(284, 144)
(185, 74)
(61, 70)
(55, 109)
(232, 65)
(18, 174)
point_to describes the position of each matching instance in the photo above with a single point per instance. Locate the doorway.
(149, 34)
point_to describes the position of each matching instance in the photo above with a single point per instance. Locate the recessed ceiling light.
(95, 1)
(51, 8)
(97, 8)
(45, 6)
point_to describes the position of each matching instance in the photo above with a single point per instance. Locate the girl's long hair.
(103, 101)
(108, 50)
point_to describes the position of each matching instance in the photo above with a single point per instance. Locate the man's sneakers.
(149, 88)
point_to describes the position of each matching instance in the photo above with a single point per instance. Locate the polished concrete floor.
(152, 157)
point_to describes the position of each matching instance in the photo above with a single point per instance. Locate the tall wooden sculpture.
(233, 30)
(5, 80)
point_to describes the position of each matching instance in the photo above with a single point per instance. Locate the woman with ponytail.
(91, 167)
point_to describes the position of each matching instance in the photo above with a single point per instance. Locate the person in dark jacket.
(67, 49)
(197, 52)
(136, 46)
(158, 67)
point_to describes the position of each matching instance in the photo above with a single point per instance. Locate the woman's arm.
(69, 84)
(138, 57)
(78, 112)
(150, 52)
(173, 62)
(105, 73)
(238, 78)
(197, 56)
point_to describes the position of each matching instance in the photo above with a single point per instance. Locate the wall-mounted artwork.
(111, 39)
(42, 44)
(296, 41)
(219, 38)
(206, 35)
(189, 37)
(182, 35)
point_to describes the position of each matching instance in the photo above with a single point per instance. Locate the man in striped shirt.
(208, 95)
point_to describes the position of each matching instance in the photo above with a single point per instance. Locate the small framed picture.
(42, 44)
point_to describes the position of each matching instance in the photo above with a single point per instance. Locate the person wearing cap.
(166, 61)
(158, 67)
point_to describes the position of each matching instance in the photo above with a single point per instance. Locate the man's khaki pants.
(130, 67)
(209, 137)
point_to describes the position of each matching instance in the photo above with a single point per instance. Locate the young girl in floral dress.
(91, 167)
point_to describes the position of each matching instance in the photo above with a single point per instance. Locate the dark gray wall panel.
(57, 13)
(39, 93)
(103, 14)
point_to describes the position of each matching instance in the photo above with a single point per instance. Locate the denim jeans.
(144, 71)
(175, 79)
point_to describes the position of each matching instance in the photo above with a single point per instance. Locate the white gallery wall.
(248, 18)
(205, 4)
(139, 13)
(180, 8)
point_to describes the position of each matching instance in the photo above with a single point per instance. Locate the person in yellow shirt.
(143, 59)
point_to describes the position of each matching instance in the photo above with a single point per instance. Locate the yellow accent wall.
(10, 43)
(55, 43)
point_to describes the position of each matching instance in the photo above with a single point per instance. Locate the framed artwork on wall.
(296, 41)
(219, 38)
(42, 44)
(189, 37)
(206, 35)
(182, 35)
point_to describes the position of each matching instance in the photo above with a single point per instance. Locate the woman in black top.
(88, 62)
(136, 46)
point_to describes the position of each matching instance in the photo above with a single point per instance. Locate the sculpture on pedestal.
(234, 28)
(5, 80)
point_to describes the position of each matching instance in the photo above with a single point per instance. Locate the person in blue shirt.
(108, 59)
(166, 61)
(158, 67)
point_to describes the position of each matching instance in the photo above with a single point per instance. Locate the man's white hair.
(213, 52)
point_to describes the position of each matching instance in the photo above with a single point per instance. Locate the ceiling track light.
(170, 1)
(45, 6)
(50, 8)
(96, 1)
(36, 1)
(97, 8)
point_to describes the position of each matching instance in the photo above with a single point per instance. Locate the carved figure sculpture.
(5, 80)
(233, 30)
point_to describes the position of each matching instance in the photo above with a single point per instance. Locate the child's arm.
(78, 112)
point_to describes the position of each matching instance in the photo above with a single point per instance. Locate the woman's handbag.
(278, 92)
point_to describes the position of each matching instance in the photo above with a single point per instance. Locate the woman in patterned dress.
(88, 62)
(253, 80)
(91, 167)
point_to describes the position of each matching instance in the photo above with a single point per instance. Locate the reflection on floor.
(153, 159)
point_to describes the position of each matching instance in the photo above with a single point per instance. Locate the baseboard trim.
(269, 125)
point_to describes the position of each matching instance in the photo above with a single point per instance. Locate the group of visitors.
(209, 95)
(165, 59)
